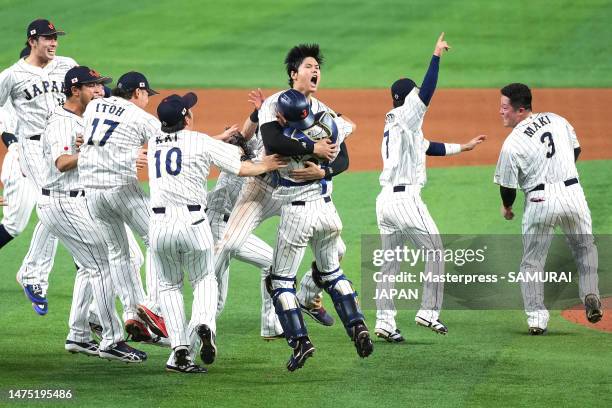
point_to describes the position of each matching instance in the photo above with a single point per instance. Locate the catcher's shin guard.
(344, 297)
(289, 313)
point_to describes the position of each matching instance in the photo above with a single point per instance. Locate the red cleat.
(155, 322)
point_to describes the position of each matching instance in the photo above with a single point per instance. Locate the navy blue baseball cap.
(400, 90)
(173, 108)
(42, 27)
(294, 107)
(134, 80)
(81, 75)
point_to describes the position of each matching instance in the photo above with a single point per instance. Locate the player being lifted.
(307, 214)
(538, 157)
(401, 213)
(181, 239)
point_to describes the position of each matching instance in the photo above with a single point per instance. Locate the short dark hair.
(519, 95)
(298, 54)
(174, 128)
(123, 93)
(68, 91)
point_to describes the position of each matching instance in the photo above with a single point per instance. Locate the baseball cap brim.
(190, 99)
(101, 80)
(50, 33)
(151, 92)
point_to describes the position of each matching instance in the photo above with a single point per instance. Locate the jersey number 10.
(174, 162)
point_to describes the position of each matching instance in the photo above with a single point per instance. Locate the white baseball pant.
(401, 217)
(565, 206)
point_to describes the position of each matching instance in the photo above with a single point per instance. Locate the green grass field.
(486, 360)
(241, 44)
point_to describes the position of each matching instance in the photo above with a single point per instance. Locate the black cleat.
(395, 337)
(183, 363)
(301, 352)
(122, 352)
(89, 348)
(208, 349)
(361, 338)
(319, 314)
(592, 306)
(537, 331)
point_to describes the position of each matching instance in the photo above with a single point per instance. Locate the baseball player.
(307, 214)
(538, 156)
(34, 86)
(401, 214)
(181, 240)
(62, 209)
(116, 128)
(256, 204)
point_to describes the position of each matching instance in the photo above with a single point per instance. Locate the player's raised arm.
(431, 77)
(269, 163)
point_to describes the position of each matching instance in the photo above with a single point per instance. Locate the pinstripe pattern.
(402, 217)
(34, 93)
(69, 219)
(403, 148)
(19, 193)
(317, 223)
(525, 162)
(113, 209)
(308, 290)
(182, 240)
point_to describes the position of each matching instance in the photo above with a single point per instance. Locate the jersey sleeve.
(149, 127)
(507, 170)
(344, 129)
(59, 136)
(224, 155)
(413, 110)
(572, 135)
(267, 112)
(6, 84)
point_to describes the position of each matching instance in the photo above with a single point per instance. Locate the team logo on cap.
(304, 113)
(94, 73)
(142, 85)
(32, 32)
(184, 111)
(396, 96)
(74, 80)
(51, 26)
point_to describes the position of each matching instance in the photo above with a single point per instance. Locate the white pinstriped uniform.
(540, 151)
(254, 251)
(403, 216)
(256, 204)
(69, 219)
(34, 93)
(19, 191)
(181, 239)
(115, 129)
(314, 221)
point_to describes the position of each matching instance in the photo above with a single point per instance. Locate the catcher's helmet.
(294, 106)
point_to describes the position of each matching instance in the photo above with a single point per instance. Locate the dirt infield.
(576, 314)
(455, 115)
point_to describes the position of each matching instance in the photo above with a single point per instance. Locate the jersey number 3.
(551, 144)
(174, 162)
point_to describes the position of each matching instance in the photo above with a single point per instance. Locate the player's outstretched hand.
(312, 171)
(2, 202)
(507, 213)
(473, 143)
(441, 46)
(325, 149)
(274, 162)
(141, 159)
(256, 98)
(227, 133)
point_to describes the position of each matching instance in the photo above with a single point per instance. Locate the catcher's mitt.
(238, 140)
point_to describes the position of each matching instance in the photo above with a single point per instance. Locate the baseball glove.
(238, 140)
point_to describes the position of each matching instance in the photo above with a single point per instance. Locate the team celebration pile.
(75, 146)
